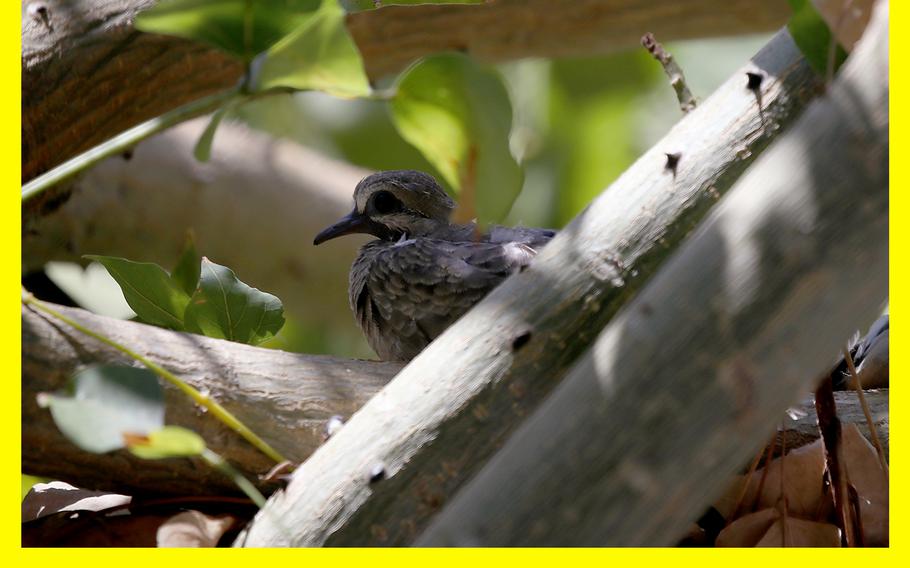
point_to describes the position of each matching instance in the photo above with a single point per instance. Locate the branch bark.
(285, 398)
(88, 75)
(804, 430)
(768, 288)
(162, 191)
(445, 414)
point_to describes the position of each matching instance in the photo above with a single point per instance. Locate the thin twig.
(869, 421)
(742, 492)
(672, 69)
(207, 402)
(764, 472)
(858, 529)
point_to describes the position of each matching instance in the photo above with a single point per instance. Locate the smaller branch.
(242, 482)
(125, 141)
(202, 400)
(672, 69)
(857, 385)
(830, 428)
(742, 492)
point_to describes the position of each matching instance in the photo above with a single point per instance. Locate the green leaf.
(812, 36)
(186, 272)
(458, 114)
(154, 296)
(168, 442)
(361, 5)
(203, 149)
(242, 28)
(107, 404)
(319, 55)
(226, 308)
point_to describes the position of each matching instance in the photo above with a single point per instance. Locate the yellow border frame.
(10, 154)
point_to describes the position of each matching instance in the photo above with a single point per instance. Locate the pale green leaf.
(242, 28)
(203, 148)
(168, 442)
(458, 114)
(319, 55)
(105, 404)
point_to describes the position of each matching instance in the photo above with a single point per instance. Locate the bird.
(422, 271)
(870, 358)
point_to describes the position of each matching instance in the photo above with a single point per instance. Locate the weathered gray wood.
(255, 206)
(451, 408)
(88, 75)
(286, 398)
(685, 384)
(804, 430)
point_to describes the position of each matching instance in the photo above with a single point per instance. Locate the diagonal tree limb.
(684, 384)
(448, 411)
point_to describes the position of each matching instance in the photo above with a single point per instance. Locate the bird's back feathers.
(406, 293)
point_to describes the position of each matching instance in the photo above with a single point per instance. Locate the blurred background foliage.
(577, 124)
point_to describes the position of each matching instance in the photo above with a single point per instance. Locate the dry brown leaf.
(865, 473)
(803, 473)
(90, 529)
(747, 530)
(45, 499)
(728, 501)
(192, 529)
(802, 534)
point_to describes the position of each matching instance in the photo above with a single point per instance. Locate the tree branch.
(285, 398)
(89, 75)
(445, 414)
(732, 329)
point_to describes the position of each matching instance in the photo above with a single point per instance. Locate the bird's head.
(393, 203)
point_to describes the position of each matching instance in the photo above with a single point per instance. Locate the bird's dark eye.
(384, 203)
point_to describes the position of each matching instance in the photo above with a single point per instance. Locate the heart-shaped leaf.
(458, 114)
(242, 28)
(361, 5)
(106, 405)
(318, 55)
(168, 442)
(149, 290)
(225, 307)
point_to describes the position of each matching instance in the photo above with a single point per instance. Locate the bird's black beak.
(353, 222)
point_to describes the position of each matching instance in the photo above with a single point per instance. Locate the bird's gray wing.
(418, 287)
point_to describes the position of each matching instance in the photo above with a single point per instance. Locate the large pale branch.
(161, 191)
(88, 75)
(733, 329)
(448, 411)
(285, 398)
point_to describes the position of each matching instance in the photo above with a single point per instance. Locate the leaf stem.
(242, 482)
(205, 401)
(126, 140)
